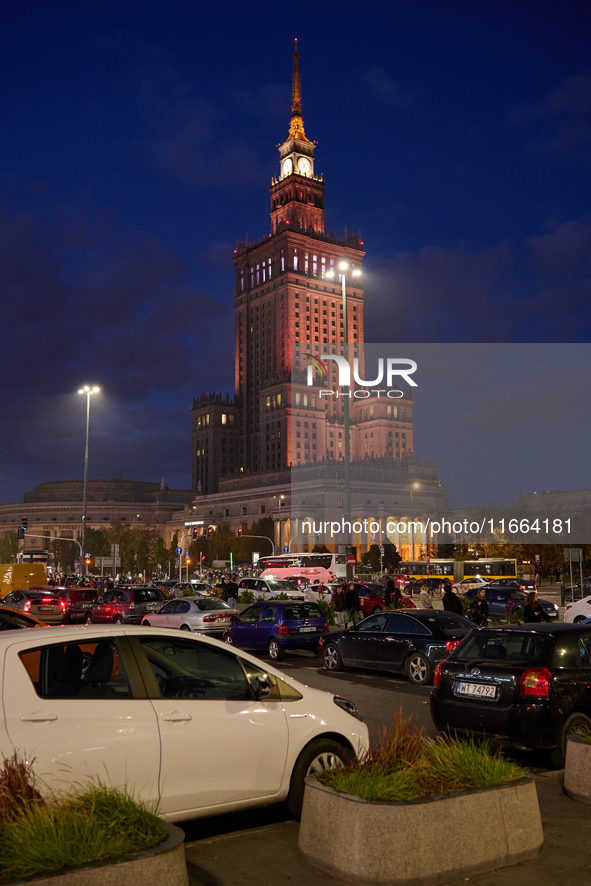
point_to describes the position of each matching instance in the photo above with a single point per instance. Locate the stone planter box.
(163, 864)
(423, 842)
(577, 770)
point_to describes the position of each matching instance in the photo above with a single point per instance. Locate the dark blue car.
(276, 626)
(503, 600)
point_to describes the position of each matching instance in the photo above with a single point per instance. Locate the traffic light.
(21, 532)
(24, 523)
(203, 558)
(187, 560)
(88, 561)
(239, 533)
(195, 531)
(209, 531)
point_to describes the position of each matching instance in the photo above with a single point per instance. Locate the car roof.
(546, 628)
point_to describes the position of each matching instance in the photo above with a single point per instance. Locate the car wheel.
(418, 669)
(88, 618)
(228, 639)
(575, 724)
(377, 609)
(146, 624)
(275, 650)
(331, 658)
(117, 620)
(578, 619)
(319, 756)
(185, 628)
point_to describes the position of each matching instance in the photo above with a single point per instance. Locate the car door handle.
(176, 717)
(39, 717)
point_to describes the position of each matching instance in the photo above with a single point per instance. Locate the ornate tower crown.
(296, 126)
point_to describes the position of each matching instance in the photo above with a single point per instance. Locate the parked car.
(577, 612)
(130, 705)
(125, 605)
(77, 602)
(413, 642)
(203, 615)
(523, 584)
(268, 588)
(371, 597)
(44, 605)
(502, 600)
(276, 626)
(529, 685)
(196, 587)
(467, 584)
(12, 619)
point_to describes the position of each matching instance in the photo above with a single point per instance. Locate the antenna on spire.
(296, 86)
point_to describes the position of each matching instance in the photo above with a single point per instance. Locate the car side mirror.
(263, 689)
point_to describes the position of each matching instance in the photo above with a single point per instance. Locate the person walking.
(425, 596)
(479, 609)
(338, 601)
(388, 594)
(451, 601)
(532, 611)
(352, 605)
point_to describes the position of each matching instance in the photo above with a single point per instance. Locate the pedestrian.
(232, 594)
(479, 608)
(338, 601)
(532, 611)
(425, 596)
(451, 602)
(352, 605)
(388, 594)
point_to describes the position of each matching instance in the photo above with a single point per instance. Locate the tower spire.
(296, 126)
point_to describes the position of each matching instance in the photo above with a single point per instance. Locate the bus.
(456, 570)
(314, 567)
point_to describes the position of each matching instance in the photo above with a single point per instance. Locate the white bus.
(314, 567)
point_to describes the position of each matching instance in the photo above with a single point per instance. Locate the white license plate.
(307, 630)
(152, 606)
(479, 690)
(86, 605)
(46, 608)
(223, 621)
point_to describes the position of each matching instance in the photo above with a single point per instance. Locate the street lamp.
(345, 267)
(88, 391)
(412, 525)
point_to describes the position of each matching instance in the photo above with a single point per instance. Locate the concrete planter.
(424, 842)
(577, 770)
(164, 864)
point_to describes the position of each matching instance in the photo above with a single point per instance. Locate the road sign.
(382, 549)
(351, 560)
(286, 549)
(179, 550)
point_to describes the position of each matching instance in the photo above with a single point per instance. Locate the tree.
(371, 558)
(8, 546)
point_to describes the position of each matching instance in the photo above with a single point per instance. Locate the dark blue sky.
(137, 142)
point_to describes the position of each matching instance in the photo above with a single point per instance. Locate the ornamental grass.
(406, 765)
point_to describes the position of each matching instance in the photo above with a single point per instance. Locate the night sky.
(138, 141)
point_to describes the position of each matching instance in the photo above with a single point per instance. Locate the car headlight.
(348, 706)
(555, 606)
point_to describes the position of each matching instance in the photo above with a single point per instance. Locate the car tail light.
(131, 606)
(437, 675)
(210, 617)
(27, 606)
(47, 600)
(63, 605)
(535, 682)
(451, 645)
(325, 628)
(283, 629)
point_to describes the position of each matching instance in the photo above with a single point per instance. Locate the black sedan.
(526, 684)
(522, 584)
(414, 642)
(503, 600)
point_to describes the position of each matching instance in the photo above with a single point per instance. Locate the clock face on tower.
(287, 167)
(304, 166)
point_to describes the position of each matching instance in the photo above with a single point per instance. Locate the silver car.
(203, 615)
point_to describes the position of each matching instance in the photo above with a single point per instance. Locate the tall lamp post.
(88, 391)
(345, 267)
(414, 486)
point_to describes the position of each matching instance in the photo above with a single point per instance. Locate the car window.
(9, 621)
(269, 613)
(77, 670)
(149, 595)
(517, 647)
(585, 651)
(168, 609)
(186, 669)
(250, 615)
(208, 604)
(373, 623)
(399, 624)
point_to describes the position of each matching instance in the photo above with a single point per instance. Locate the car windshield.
(296, 611)
(149, 595)
(89, 594)
(516, 647)
(11, 620)
(448, 622)
(281, 585)
(209, 603)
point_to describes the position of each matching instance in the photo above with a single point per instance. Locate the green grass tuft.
(100, 823)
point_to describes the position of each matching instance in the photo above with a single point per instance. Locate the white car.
(204, 615)
(185, 722)
(579, 611)
(466, 584)
(319, 592)
(267, 588)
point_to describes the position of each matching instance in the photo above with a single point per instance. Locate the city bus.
(315, 567)
(488, 568)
